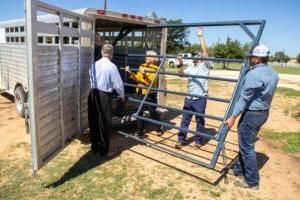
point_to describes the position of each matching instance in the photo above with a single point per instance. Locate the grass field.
(236, 66)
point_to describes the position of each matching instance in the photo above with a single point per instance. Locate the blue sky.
(282, 31)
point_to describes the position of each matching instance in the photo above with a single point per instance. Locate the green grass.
(84, 177)
(288, 92)
(237, 66)
(290, 140)
(287, 70)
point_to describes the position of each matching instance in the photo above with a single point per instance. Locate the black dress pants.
(99, 117)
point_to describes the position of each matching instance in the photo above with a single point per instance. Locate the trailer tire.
(20, 98)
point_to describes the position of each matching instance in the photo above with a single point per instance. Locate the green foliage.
(280, 56)
(177, 37)
(298, 58)
(230, 49)
(291, 140)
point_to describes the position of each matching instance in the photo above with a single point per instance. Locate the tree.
(281, 57)
(177, 37)
(230, 49)
(298, 58)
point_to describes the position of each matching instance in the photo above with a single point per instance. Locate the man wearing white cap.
(253, 105)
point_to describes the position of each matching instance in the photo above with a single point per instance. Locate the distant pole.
(105, 4)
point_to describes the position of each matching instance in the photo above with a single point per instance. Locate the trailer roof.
(106, 17)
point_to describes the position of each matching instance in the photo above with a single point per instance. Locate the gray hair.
(107, 50)
(152, 53)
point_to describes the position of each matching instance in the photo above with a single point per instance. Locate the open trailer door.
(58, 77)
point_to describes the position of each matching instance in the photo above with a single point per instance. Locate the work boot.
(243, 184)
(198, 146)
(231, 172)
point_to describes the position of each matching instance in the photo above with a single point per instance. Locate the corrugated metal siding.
(47, 100)
(85, 57)
(13, 60)
(70, 92)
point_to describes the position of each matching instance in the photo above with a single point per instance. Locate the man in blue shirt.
(253, 105)
(197, 86)
(104, 78)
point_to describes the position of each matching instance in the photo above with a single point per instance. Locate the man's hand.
(142, 70)
(200, 31)
(230, 121)
(127, 69)
(180, 60)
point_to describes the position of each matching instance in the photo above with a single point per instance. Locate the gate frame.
(223, 129)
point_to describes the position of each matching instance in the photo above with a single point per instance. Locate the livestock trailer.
(125, 31)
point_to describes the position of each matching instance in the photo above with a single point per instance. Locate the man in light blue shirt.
(104, 78)
(253, 104)
(196, 86)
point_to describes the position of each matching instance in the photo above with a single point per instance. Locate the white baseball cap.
(260, 51)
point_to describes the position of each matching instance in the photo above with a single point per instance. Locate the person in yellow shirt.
(144, 78)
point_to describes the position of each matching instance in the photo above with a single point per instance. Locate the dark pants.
(99, 116)
(152, 97)
(248, 127)
(198, 106)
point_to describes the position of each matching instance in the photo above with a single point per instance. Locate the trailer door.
(59, 56)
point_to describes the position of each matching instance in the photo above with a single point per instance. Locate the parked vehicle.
(173, 62)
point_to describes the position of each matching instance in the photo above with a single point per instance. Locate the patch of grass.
(287, 70)
(87, 177)
(288, 92)
(290, 140)
(215, 194)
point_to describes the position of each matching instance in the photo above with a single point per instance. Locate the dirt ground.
(279, 171)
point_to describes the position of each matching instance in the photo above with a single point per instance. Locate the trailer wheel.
(20, 100)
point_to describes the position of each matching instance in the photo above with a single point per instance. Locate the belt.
(192, 98)
(263, 110)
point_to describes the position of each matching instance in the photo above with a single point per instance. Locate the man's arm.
(180, 66)
(249, 89)
(202, 42)
(117, 81)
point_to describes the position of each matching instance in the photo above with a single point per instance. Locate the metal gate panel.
(223, 129)
(58, 80)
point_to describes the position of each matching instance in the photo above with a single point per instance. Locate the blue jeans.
(248, 127)
(199, 106)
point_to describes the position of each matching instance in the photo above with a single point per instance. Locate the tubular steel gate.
(221, 134)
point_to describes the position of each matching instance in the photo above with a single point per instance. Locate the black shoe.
(138, 133)
(160, 130)
(95, 149)
(242, 183)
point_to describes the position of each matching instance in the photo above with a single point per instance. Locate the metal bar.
(177, 110)
(180, 93)
(203, 24)
(79, 75)
(61, 79)
(190, 75)
(176, 127)
(150, 86)
(249, 33)
(166, 150)
(32, 62)
(223, 131)
(189, 58)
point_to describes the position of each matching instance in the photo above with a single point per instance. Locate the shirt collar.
(259, 65)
